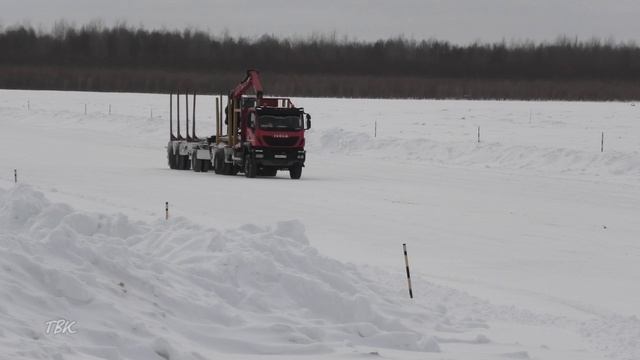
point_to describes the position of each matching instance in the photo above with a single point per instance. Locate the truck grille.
(277, 141)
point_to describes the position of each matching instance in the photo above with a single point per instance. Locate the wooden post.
(179, 136)
(222, 115)
(602, 142)
(218, 130)
(193, 116)
(186, 111)
(406, 263)
(230, 113)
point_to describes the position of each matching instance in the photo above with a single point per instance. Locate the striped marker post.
(406, 262)
(166, 210)
(15, 175)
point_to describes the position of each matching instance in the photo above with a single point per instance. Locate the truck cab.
(272, 134)
(263, 135)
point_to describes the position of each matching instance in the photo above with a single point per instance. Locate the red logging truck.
(258, 136)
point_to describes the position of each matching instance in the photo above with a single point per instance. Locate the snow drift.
(175, 290)
(493, 154)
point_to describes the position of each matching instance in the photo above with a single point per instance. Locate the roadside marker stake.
(478, 134)
(375, 128)
(85, 109)
(28, 105)
(166, 210)
(406, 263)
(109, 109)
(602, 142)
(15, 175)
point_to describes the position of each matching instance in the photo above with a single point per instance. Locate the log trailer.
(259, 135)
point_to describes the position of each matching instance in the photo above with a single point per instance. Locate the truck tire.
(171, 158)
(204, 165)
(250, 167)
(177, 161)
(295, 171)
(187, 162)
(218, 160)
(195, 163)
(182, 162)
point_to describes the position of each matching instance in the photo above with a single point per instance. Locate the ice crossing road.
(533, 217)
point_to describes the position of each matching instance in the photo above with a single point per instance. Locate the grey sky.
(460, 21)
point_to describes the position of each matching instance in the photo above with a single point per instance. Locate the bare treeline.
(122, 58)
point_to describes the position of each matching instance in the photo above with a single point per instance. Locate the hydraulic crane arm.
(251, 81)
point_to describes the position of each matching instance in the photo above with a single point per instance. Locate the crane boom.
(251, 81)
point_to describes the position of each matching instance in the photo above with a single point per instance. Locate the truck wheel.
(186, 162)
(250, 167)
(204, 165)
(182, 162)
(195, 163)
(177, 161)
(171, 158)
(295, 171)
(218, 162)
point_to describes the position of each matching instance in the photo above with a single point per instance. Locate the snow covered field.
(525, 245)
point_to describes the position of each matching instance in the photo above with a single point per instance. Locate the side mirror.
(308, 122)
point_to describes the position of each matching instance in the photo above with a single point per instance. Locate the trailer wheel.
(204, 165)
(171, 158)
(177, 161)
(182, 162)
(186, 162)
(295, 171)
(249, 167)
(218, 161)
(195, 164)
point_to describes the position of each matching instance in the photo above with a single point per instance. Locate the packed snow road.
(530, 235)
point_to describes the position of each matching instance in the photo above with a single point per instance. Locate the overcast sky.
(460, 21)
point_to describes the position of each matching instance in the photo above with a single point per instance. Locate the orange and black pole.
(406, 263)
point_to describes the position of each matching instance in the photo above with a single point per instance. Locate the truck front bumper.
(279, 157)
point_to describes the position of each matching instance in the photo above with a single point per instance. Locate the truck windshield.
(273, 122)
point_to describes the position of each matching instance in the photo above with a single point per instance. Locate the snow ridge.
(488, 155)
(163, 288)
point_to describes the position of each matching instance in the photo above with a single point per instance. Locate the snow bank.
(175, 290)
(526, 157)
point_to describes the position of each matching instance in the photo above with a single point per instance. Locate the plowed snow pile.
(179, 291)
(552, 160)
